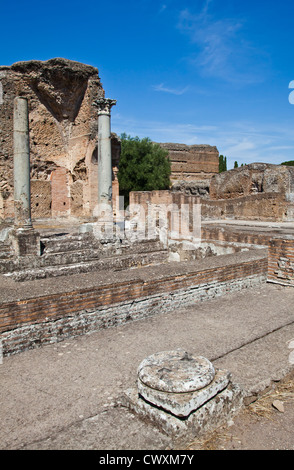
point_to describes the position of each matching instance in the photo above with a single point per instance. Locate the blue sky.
(215, 72)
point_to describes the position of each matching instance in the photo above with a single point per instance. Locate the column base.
(25, 242)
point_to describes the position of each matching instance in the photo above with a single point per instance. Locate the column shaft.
(22, 196)
(104, 151)
(104, 160)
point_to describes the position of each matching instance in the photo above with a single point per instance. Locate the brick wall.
(41, 201)
(281, 261)
(234, 235)
(264, 207)
(47, 319)
(60, 192)
(192, 162)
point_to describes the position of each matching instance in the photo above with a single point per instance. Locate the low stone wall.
(280, 248)
(235, 236)
(131, 295)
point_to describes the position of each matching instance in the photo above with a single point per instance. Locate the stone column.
(183, 394)
(104, 151)
(24, 238)
(22, 193)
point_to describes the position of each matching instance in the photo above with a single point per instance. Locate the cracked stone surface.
(176, 372)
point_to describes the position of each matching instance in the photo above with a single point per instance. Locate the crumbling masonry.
(63, 124)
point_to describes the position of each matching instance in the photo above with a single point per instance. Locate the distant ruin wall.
(263, 207)
(192, 162)
(258, 191)
(252, 179)
(63, 134)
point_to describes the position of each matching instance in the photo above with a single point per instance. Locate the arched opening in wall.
(94, 158)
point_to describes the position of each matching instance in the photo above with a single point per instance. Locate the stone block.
(209, 416)
(183, 394)
(183, 404)
(25, 242)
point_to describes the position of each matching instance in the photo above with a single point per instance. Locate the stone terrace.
(41, 310)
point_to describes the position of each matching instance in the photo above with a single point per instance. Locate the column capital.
(104, 105)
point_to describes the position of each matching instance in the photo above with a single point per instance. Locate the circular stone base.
(176, 372)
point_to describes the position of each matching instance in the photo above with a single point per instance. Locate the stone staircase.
(65, 254)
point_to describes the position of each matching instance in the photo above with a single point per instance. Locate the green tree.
(143, 166)
(222, 163)
(289, 163)
(236, 165)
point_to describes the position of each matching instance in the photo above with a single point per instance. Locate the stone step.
(114, 263)
(70, 243)
(82, 253)
(65, 243)
(7, 254)
(86, 255)
(6, 251)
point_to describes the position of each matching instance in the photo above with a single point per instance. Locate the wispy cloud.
(245, 142)
(162, 8)
(172, 91)
(222, 50)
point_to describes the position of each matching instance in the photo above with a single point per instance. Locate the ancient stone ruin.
(192, 162)
(63, 124)
(74, 262)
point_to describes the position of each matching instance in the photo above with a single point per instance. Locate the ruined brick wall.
(63, 133)
(50, 318)
(263, 207)
(41, 199)
(233, 235)
(280, 250)
(192, 162)
(268, 207)
(281, 261)
(258, 191)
